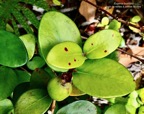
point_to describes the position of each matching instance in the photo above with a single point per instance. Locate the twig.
(142, 60)
(83, 37)
(53, 106)
(23, 69)
(68, 9)
(115, 17)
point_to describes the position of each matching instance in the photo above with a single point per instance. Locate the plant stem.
(115, 17)
(53, 106)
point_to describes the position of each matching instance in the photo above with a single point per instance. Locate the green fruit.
(58, 89)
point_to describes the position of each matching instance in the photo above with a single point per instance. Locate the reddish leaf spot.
(69, 64)
(74, 60)
(105, 51)
(66, 49)
(92, 44)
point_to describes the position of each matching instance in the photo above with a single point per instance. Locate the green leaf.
(78, 107)
(39, 79)
(133, 28)
(15, 27)
(141, 94)
(9, 28)
(105, 21)
(57, 69)
(66, 55)
(116, 109)
(5, 106)
(113, 56)
(22, 76)
(13, 51)
(29, 42)
(19, 90)
(22, 20)
(50, 72)
(132, 103)
(8, 81)
(136, 19)
(103, 78)
(56, 2)
(122, 44)
(102, 44)
(31, 17)
(42, 4)
(141, 110)
(114, 25)
(2, 25)
(36, 62)
(54, 28)
(35, 101)
(118, 100)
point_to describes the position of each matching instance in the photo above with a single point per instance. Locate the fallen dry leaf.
(126, 60)
(108, 9)
(87, 10)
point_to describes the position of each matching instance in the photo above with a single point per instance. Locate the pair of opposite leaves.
(68, 54)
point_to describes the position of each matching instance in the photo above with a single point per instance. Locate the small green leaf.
(35, 101)
(141, 110)
(116, 109)
(66, 55)
(102, 44)
(5, 106)
(8, 81)
(136, 19)
(113, 56)
(54, 28)
(118, 100)
(12, 49)
(56, 2)
(9, 28)
(122, 44)
(36, 62)
(78, 107)
(133, 28)
(114, 25)
(100, 25)
(103, 78)
(141, 94)
(132, 103)
(105, 21)
(29, 42)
